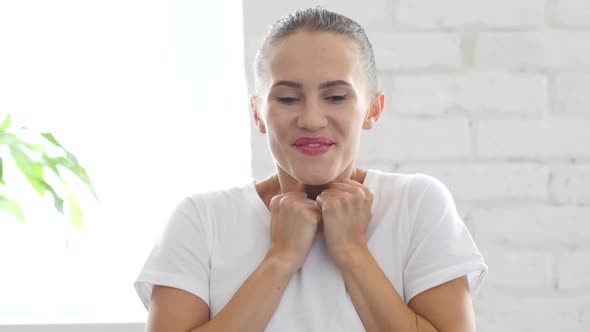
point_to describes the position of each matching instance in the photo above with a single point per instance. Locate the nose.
(312, 117)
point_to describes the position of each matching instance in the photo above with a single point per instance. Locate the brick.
(520, 269)
(533, 50)
(540, 227)
(570, 184)
(378, 19)
(571, 93)
(572, 13)
(415, 140)
(573, 270)
(469, 13)
(412, 50)
(526, 312)
(489, 182)
(586, 313)
(552, 137)
(477, 93)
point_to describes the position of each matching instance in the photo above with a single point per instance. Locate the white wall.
(492, 97)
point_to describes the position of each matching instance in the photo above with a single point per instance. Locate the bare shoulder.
(172, 309)
(448, 306)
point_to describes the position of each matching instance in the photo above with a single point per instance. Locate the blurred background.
(490, 96)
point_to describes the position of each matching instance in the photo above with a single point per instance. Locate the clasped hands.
(343, 210)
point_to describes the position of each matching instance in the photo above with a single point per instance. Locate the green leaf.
(51, 164)
(70, 162)
(32, 170)
(50, 138)
(7, 138)
(75, 212)
(1, 173)
(32, 159)
(12, 207)
(58, 202)
(5, 123)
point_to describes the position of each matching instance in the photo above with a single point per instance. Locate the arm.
(250, 309)
(294, 220)
(445, 308)
(346, 211)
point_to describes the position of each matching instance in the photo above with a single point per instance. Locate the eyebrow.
(324, 85)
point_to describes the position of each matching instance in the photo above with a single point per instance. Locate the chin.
(314, 180)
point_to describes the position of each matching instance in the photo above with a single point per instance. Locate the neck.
(285, 183)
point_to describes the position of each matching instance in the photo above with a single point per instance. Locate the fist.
(293, 226)
(346, 212)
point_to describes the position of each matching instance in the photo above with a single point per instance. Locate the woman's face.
(313, 104)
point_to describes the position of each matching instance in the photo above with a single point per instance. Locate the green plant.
(33, 160)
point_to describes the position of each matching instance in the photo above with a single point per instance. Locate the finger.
(276, 200)
(307, 203)
(321, 200)
(368, 192)
(342, 186)
(331, 192)
(354, 190)
(312, 206)
(330, 195)
(294, 196)
(355, 184)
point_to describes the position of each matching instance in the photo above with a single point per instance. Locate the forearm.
(253, 305)
(375, 299)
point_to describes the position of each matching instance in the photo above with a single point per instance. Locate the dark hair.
(317, 20)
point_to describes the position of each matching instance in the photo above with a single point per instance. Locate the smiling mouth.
(313, 149)
(313, 146)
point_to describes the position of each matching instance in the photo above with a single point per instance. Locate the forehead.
(314, 57)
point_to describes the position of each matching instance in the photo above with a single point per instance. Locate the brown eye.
(287, 100)
(336, 98)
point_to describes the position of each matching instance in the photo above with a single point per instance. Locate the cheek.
(352, 123)
(277, 127)
(275, 123)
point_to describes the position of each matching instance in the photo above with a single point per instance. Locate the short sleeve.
(441, 248)
(180, 258)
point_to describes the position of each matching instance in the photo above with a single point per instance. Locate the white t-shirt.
(215, 240)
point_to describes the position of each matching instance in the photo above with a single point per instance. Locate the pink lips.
(313, 146)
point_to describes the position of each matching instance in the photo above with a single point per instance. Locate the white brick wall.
(493, 98)
(531, 226)
(415, 50)
(539, 49)
(416, 139)
(571, 93)
(522, 270)
(572, 273)
(569, 185)
(572, 13)
(518, 182)
(520, 311)
(472, 92)
(470, 13)
(545, 139)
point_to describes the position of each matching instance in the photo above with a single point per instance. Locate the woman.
(320, 245)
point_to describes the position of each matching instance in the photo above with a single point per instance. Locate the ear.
(256, 115)
(375, 110)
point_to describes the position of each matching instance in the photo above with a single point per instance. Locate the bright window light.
(151, 98)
